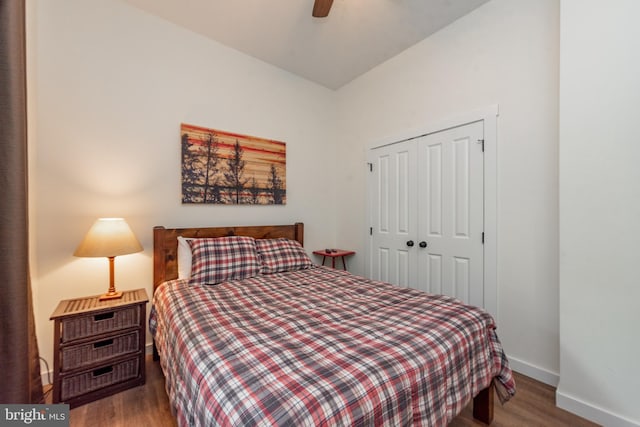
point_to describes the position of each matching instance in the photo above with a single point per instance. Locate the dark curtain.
(20, 381)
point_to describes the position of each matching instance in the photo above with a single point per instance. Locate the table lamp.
(109, 237)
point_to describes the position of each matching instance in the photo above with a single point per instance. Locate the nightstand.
(99, 347)
(333, 254)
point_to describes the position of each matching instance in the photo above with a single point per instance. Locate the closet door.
(427, 213)
(450, 213)
(393, 211)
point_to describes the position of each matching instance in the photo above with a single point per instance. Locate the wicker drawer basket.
(78, 356)
(76, 385)
(86, 326)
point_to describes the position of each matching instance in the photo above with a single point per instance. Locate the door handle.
(410, 243)
(422, 244)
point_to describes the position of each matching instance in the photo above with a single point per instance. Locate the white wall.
(505, 53)
(110, 86)
(600, 211)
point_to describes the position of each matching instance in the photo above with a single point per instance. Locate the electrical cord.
(46, 364)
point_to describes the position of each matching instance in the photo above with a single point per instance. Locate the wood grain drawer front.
(95, 324)
(78, 356)
(97, 378)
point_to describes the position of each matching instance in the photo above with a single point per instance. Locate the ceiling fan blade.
(321, 8)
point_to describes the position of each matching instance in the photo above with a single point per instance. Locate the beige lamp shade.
(108, 237)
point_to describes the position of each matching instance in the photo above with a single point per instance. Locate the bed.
(310, 345)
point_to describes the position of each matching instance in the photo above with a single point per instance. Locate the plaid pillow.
(279, 255)
(221, 259)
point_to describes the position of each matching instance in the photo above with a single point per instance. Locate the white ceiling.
(355, 37)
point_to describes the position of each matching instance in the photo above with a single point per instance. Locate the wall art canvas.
(221, 167)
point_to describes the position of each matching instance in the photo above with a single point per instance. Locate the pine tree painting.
(220, 167)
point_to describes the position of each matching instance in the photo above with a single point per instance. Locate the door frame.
(489, 115)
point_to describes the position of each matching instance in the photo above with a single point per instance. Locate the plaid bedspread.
(321, 347)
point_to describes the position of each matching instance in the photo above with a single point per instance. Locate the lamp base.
(109, 296)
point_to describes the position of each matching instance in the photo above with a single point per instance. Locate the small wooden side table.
(99, 347)
(333, 254)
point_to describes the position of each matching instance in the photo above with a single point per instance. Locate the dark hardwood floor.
(533, 405)
(148, 405)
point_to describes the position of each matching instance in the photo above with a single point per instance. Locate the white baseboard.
(567, 402)
(535, 372)
(591, 412)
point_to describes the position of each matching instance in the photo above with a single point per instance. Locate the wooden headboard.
(165, 243)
